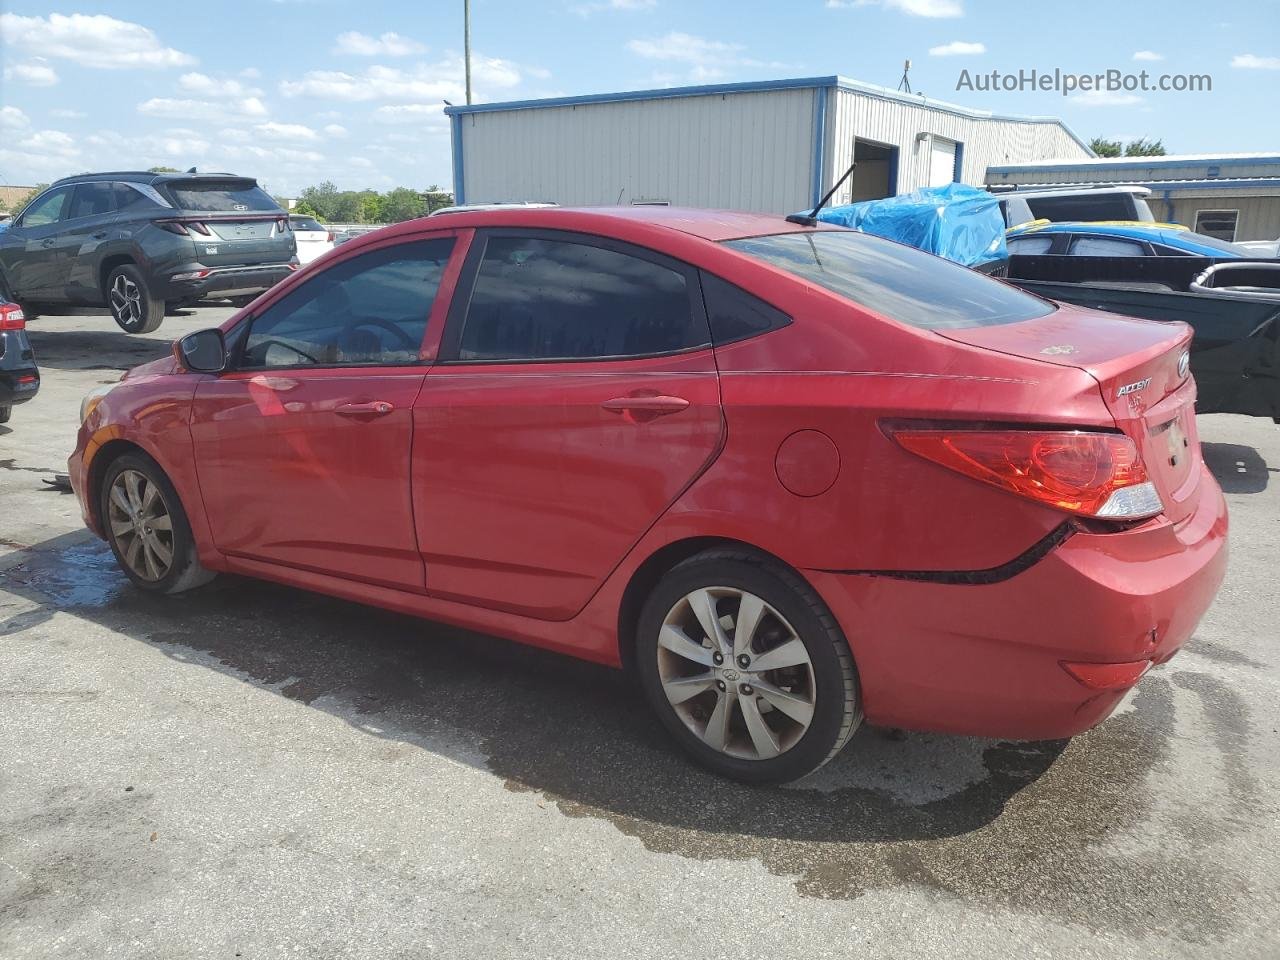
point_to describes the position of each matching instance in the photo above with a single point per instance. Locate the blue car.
(1118, 239)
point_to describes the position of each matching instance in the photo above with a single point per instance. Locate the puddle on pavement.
(1043, 828)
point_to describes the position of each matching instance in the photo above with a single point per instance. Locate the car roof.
(1170, 234)
(714, 225)
(146, 176)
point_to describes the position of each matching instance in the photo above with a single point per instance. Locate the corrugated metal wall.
(747, 151)
(985, 141)
(1133, 172)
(1259, 217)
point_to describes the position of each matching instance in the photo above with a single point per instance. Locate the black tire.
(5, 413)
(244, 301)
(132, 304)
(185, 571)
(837, 710)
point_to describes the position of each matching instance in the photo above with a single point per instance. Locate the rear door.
(303, 448)
(575, 398)
(233, 221)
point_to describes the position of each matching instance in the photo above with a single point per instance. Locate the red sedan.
(791, 476)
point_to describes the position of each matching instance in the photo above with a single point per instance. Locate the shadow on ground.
(996, 824)
(1239, 469)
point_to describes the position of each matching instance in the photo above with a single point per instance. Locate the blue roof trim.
(757, 86)
(1132, 163)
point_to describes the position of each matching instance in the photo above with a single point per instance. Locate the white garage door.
(942, 161)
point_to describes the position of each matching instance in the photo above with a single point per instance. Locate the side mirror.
(204, 351)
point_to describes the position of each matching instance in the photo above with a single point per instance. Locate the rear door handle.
(373, 408)
(652, 406)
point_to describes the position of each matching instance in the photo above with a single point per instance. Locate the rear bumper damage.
(1045, 652)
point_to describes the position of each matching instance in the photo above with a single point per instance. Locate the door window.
(136, 198)
(48, 209)
(371, 309)
(1030, 245)
(544, 299)
(1106, 247)
(91, 200)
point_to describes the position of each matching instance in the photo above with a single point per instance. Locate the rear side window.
(91, 200)
(1032, 246)
(1106, 247)
(371, 309)
(542, 299)
(894, 280)
(136, 198)
(220, 196)
(736, 314)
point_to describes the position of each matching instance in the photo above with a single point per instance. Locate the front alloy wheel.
(141, 525)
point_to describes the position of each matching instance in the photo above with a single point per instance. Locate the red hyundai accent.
(792, 476)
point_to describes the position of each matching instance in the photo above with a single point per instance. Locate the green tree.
(1143, 147)
(1105, 148)
(402, 203)
(163, 170)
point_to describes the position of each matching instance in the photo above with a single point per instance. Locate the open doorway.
(876, 176)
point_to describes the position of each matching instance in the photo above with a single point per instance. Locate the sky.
(295, 92)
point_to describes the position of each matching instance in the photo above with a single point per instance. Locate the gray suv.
(140, 242)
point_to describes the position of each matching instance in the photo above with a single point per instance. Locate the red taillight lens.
(173, 226)
(330, 236)
(199, 228)
(1092, 474)
(12, 317)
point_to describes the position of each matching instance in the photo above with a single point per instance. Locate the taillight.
(173, 226)
(282, 226)
(330, 236)
(198, 227)
(12, 317)
(1091, 474)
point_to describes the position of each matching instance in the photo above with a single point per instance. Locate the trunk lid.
(233, 221)
(1141, 367)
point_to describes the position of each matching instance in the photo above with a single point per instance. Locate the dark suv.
(136, 242)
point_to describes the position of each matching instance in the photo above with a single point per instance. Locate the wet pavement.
(250, 770)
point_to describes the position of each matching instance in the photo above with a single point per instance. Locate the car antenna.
(811, 218)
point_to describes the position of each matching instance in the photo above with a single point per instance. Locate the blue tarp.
(959, 222)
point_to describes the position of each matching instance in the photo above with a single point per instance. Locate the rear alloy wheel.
(130, 300)
(747, 668)
(147, 527)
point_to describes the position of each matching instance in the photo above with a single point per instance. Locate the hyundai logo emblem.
(1184, 363)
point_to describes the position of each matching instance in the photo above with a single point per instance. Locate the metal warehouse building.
(1231, 196)
(773, 146)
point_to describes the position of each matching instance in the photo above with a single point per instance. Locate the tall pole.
(466, 42)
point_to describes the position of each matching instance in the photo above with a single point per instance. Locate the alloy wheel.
(126, 301)
(141, 525)
(736, 673)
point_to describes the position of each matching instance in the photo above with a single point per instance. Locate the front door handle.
(373, 408)
(46, 243)
(102, 235)
(647, 407)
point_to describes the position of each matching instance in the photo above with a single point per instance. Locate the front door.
(302, 449)
(576, 397)
(28, 249)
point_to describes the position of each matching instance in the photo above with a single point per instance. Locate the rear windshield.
(894, 280)
(222, 196)
(304, 223)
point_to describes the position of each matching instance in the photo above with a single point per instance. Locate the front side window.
(541, 299)
(91, 200)
(1030, 246)
(1106, 247)
(894, 280)
(48, 209)
(371, 309)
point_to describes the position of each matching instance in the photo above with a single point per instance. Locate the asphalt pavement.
(254, 771)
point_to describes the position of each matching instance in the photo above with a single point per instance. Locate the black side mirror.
(204, 351)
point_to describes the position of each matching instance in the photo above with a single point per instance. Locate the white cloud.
(51, 143)
(1104, 98)
(11, 118)
(204, 85)
(91, 41)
(416, 113)
(957, 48)
(35, 72)
(915, 8)
(587, 9)
(251, 73)
(1149, 56)
(202, 109)
(425, 82)
(285, 131)
(1250, 61)
(358, 44)
(705, 59)
(335, 130)
(66, 114)
(363, 163)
